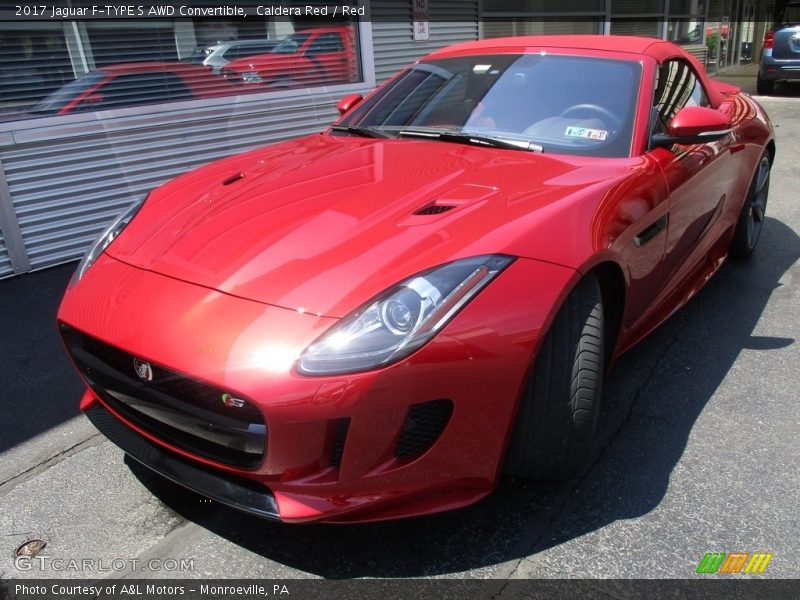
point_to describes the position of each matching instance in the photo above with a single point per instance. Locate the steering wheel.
(577, 108)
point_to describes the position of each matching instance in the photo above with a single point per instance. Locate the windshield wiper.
(474, 139)
(362, 131)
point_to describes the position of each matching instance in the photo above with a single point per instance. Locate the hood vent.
(233, 179)
(434, 209)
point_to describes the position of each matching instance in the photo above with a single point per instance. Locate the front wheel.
(557, 415)
(751, 219)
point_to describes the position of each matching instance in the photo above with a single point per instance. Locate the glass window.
(314, 56)
(686, 32)
(676, 86)
(327, 43)
(566, 104)
(57, 100)
(790, 15)
(540, 26)
(291, 43)
(636, 7)
(687, 7)
(242, 49)
(112, 43)
(542, 6)
(644, 27)
(35, 62)
(45, 71)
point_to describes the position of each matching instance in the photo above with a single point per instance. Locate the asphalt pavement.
(698, 448)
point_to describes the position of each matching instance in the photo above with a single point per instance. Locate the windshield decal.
(586, 133)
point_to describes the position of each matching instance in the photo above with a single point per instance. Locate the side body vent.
(341, 426)
(424, 424)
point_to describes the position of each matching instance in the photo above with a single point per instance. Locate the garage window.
(58, 69)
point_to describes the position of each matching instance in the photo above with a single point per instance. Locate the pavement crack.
(176, 537)
(637, 396)
(12, 482)
(499, 592)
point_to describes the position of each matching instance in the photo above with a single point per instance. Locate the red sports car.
(378, 320)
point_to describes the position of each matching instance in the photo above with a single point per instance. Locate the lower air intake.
(424, 425)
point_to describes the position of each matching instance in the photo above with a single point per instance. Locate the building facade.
(93, 113)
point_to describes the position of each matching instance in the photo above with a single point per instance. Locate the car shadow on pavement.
(786, 89)
(652, 399)
(40, 386)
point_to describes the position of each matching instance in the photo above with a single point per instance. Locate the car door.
(700, 177)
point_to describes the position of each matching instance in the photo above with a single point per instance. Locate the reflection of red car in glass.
(132, 84)
(310, 57)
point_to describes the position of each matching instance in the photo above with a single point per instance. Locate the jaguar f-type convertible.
(379, 320)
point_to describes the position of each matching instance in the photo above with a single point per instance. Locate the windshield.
(67, 93)
(289, 45)
(563, 104)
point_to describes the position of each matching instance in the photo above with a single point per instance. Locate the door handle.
(648, 233)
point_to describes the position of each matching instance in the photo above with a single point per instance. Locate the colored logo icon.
(734, 562)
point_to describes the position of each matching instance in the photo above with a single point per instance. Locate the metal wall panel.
(452, 21)
(68, 182)
(5, 261)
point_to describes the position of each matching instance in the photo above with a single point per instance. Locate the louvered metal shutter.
(452, 21)
(650, 28)
(637, 7)
(67, 183)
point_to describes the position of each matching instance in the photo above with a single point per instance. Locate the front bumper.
(238, 493)
(343, 448)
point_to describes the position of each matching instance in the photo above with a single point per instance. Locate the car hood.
(325, 222)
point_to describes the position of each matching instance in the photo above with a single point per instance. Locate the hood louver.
(434, 209)
(233, 179)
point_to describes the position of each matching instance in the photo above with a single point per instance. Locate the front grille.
(424, 424)
(178, 409)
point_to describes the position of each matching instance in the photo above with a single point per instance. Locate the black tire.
(764, 87)
(557, 415)
(751, 219)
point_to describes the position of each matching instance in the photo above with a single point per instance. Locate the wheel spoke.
(763, 174)
(758, 212)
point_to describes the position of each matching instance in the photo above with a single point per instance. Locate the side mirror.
(694, 125)
(347, 103)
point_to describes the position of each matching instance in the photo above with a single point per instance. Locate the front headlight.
(251, 77)
(401, 319)
(104, 239)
